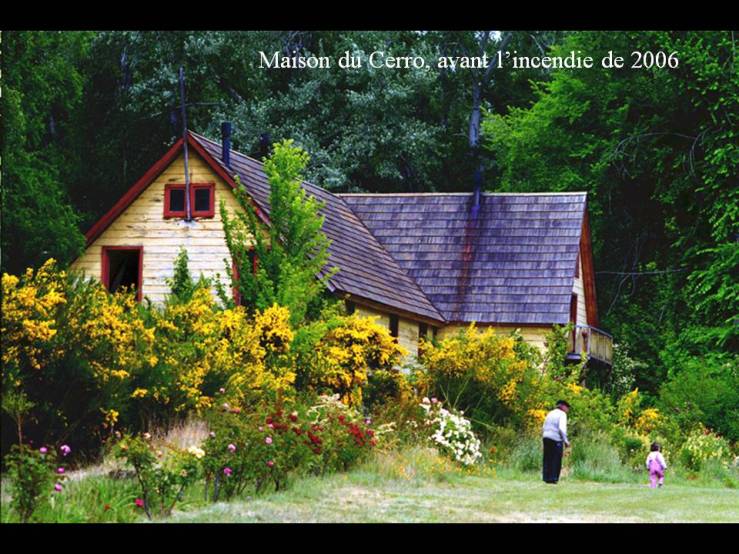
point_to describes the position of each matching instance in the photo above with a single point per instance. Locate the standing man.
(555, 439)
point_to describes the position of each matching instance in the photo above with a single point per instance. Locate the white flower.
(197, 452)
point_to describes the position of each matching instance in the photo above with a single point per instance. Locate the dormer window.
(202, 200)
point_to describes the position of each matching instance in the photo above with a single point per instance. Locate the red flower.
(106, 507)
(294, 416)
(139, 503)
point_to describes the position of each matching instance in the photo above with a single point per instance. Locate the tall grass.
(594, 458)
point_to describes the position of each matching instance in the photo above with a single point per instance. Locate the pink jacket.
(656, 462)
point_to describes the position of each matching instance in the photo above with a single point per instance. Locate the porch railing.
(592, 342)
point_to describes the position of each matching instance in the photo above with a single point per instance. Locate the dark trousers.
(552, 460)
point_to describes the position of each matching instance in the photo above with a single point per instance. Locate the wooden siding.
(579, 290)
(407, 329)
(143, 223)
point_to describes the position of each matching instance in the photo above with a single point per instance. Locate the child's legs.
(661, 475)
(652, 480)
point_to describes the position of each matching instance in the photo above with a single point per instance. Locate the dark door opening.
(122, 268)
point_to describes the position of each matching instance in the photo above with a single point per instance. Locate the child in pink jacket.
(656, 466)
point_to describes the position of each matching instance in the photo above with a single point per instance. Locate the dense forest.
(84, 114)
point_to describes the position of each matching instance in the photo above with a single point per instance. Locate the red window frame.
(105, 267)
(169, 213)
(236, 275)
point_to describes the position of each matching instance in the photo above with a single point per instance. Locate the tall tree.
(284, 262)
(656, 150)
(41, 104)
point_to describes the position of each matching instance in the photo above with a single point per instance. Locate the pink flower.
(60, 470)
(268, 440)
(271, 426)
(222, 390)
(368, 421)
(139, 503)
(261, 428)
(65, 449)
(232, 447)
(58, 487)
(43, 450)
(227, 471)
(212, 435)
(434, 400)
(270, 463)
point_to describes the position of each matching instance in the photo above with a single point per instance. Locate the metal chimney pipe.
(226, 143)
(477, 193)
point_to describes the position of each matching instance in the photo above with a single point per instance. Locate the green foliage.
(291, 252)
(162, 480)
(42, 99)
(31, 473)
(182, 284)
(594, 458)
(702, 446)
(527, 454)
(656, 152)
(703, 390)
(276, 441)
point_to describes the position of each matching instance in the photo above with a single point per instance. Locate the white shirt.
(555, 426)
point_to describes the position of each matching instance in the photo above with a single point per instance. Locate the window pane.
(176, 200)
(202, 199)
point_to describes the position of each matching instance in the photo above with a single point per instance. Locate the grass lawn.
(363, 496)
(411, 486)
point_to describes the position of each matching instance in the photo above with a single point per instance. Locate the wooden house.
(422, 263)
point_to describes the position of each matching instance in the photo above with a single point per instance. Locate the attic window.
(202, 200)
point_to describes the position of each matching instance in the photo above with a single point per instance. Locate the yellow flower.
(139, 393)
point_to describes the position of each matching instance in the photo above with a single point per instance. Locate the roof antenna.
(188, 208)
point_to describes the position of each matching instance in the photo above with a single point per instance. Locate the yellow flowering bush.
(91, 361)
(339, 355)
(483, 371)
(29, 316)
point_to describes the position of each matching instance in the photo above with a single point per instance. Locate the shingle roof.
(366, 269)
(513, 263)
(428, 255)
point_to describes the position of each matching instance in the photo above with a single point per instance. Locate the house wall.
(143, 224)
(407, 329)
(579, 290)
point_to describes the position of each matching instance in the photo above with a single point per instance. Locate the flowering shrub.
(256, 449)
(339, 354)
(340, 435)
(32, 473)
(701, 446)
(451, 433)
(484, 373)
(277, 440)
(162, 479)
(91, 361)
(386, 386)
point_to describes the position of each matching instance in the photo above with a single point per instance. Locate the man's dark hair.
(562, 403)
(655, 447)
